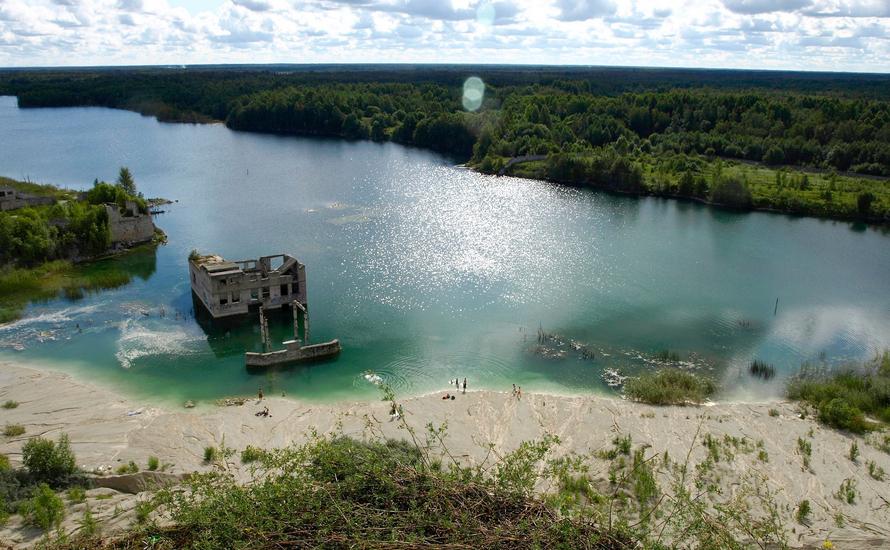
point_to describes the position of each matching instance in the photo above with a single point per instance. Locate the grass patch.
(76, 494)
(669, 387)
(210, 455)
(10, 404)
(128, 468)
(153, 463)
(844, 397)
(847, 492)
(803, 512)
(251, 454)
(876, 472)
(806, 451)
(13, 430)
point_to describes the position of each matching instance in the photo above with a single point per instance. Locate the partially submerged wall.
(137, 228)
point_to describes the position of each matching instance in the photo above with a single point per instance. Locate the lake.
(427, 271)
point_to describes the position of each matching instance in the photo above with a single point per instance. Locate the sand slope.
(107, 430)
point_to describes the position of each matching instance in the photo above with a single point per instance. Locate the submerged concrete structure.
(295, 351)
(228, 288)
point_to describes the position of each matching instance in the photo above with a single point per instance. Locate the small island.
(48, 234)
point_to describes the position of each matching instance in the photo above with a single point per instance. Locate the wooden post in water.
(776, 309)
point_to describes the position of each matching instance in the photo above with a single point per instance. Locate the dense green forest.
(806, 143)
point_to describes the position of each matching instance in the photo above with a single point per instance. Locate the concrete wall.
(293, 353)
(10, 199)
(129, 229)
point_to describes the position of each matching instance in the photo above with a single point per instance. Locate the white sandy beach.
(107, 430)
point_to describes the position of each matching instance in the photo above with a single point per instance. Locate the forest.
(806, 143)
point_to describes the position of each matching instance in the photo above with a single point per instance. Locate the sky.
(813, 35)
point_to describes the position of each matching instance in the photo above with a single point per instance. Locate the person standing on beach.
(514, 390)
(260, 394)
(465, 385)
(519, 393)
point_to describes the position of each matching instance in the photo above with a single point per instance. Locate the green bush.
(45, 509)
(210, 454)
(76, 494)
(803, 511)
(669, 387)
(251, 454)
(49, 462)
(844, 397)
(838, 413)
(10, 404)
(153, 463)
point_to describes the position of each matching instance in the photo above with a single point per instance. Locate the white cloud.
(793, 34)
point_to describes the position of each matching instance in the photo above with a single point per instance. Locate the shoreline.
(871, 221)
(108, 430)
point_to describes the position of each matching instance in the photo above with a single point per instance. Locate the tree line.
(621, 129)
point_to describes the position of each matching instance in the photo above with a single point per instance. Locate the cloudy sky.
(836, 35)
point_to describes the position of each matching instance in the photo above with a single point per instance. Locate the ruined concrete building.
(129, 226)
(12, 199)
(227, 288)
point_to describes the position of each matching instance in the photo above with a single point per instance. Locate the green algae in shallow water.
(20, 286)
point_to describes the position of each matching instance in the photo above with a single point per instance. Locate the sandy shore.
(107, 430)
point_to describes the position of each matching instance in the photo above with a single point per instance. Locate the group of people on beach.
(457, 384)
(517, 391)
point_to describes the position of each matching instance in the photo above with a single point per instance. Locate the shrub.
(13, 430)
(806, 450)
(773, 412)
(847, 491)
(209, 454)
(5, 465)
(669, 387)
(88, 524)
(47, 461)
(733, 192)
(45, 509)
(875, 471)
(153, 463)
(10, 404)
(844, 397)
(76, 494)
(803, 512)
(838, 413)
(251, 454)
(854, 451)
(143, 509)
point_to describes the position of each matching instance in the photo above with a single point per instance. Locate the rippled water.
(427, 271)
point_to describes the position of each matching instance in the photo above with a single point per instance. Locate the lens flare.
(474, 93)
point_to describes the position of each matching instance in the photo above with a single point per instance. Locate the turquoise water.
(427, 271)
